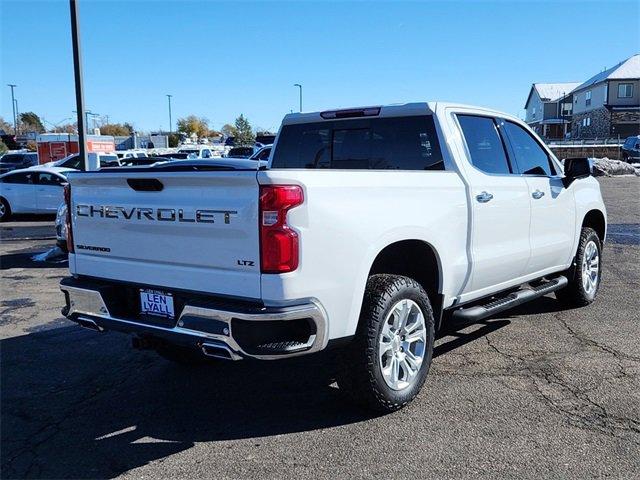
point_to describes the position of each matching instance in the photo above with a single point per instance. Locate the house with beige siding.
(608, 104)
(549, 108)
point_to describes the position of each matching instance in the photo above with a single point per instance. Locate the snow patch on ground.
(53, 255)
(606, 167)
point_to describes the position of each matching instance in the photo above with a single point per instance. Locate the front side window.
(50, 179)
(587, 98)
(394, 143)
(484, 144)
(530, 157)
(625, 90)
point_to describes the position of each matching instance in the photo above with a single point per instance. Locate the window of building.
(587, 97)
(484, 144)
(533, 113)
(625, 90)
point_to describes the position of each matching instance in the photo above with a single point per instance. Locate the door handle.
(484, 197)
(537, 194)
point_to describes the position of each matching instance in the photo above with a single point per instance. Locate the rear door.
(49, 191)
(20, 191)
(553, 217)
(187, 230)
(500, 208)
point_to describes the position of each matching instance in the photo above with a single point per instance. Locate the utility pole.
(170, 121)
(15, 101)
(300, 87)
(77, 73)
(13, 106)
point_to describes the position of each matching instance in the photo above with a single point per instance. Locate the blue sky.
(220, 59)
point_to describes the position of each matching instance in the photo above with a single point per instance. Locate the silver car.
(61, 227)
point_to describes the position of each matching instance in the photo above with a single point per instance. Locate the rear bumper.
(217, 330)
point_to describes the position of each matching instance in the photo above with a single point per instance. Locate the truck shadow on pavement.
(80, 404)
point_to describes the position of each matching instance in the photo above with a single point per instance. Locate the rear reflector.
(351, 113)
(279, 250)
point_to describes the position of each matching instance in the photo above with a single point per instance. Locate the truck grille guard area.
(300, 329)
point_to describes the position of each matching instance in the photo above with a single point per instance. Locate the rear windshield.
(397, 143)
(12, 158)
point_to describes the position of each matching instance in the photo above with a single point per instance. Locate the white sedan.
(33, 190)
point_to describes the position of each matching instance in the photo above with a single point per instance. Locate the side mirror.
(575, 168)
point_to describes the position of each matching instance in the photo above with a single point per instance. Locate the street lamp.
(77, 75)
(170, 121)
(17, 114)
(13, 106)
(300, 87)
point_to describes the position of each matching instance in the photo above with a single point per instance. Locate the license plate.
(153, 302)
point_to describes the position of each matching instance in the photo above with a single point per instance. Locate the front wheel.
(584, 282)
(5, 210)
(387, 363)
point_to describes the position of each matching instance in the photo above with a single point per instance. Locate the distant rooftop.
(627, 69)
(550, 92)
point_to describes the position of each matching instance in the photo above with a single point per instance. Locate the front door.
(552, 231)
(49, 192)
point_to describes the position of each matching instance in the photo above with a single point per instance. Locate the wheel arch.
(596, 219)
(416, 259)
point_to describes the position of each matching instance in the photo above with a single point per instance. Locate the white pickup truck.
(366, 230)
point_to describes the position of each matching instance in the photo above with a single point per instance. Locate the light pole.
(170, 121)
(77, 74)
(17, 114)
(300, 87)
(13, 106)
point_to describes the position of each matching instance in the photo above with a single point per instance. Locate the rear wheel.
(387, 363)
(5, 210)
(584, 282)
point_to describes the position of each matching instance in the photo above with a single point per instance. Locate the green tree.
(116, 129)
(31, 122)
(229, 130)
(193, 124)
(244, 133)
(174, 140)
(3, 147)
(5, 126)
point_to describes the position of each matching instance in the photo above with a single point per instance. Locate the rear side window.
(395, 143)
(484, 144)
(24, 178)
(529, 155)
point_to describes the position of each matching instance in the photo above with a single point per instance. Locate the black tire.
(5, 211)
(575, 294)
(360, 372)
(183, 355)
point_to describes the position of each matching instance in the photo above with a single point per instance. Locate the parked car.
(262, 153)
(631, 149)
(369, 228)
(131, 154)
(197, 151)
(32, 190)
(61, 227)
(174, 156)
(74, 161)
(17, 160)
(138, 161)
(242, 152)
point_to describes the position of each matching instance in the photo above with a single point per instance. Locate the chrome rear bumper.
(87, 307)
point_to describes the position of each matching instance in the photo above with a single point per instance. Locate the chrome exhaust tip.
(218, 350)
(89, 324)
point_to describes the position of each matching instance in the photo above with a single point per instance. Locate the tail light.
(279, 249)
(69, 232)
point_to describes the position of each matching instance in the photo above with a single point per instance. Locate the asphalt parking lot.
(537, 392)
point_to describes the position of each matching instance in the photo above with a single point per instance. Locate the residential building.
(608, 104)
(549, 108)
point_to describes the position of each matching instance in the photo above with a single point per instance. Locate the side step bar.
(479, 312)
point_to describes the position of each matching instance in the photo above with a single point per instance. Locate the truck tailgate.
(195, 230)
